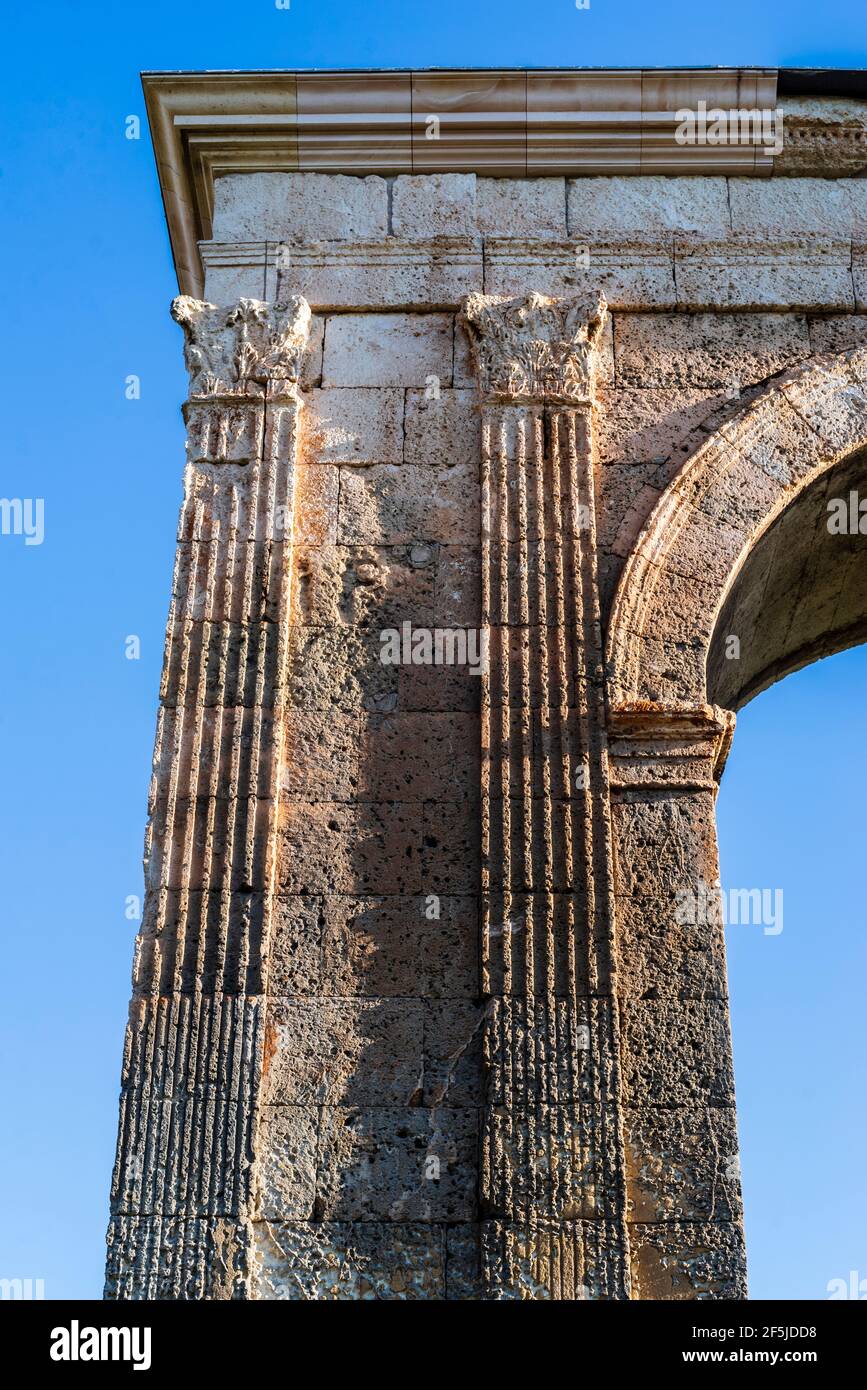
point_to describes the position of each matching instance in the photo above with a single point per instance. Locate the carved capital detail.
(534, 350)
(244, 349)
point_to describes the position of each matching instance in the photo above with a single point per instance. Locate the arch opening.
(801, 592)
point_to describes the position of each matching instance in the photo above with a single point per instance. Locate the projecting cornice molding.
(511, 124)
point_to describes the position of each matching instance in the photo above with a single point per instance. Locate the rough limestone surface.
(430, 995)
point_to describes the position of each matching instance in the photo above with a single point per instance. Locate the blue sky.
(90, 280)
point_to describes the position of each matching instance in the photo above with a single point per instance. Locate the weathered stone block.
(546, 1163)
(683, 1164)
(286, 1169)
(450, 844)
(419, 757)
(463, 1262)
(453, 1052)
(168, 1258)
(321, 756)
(458, 586)
(444, 688)
(425, 946)
(838, 332)
(428, 205)
(549, 1051)
(688, 1260)
(339, 669)
(391, 505)
(633, 273)
(676, 1052)
(395, 273)
(378, 587)
(442, 428)
(706, 350)
(663, 955)
(745, 272)
(355, 425)
(665, 845)
(387, 350)
(344, 1261)
(295, 955)
(350, 848)
(648, 425)
(552, 1261)
(265, 206)
(647, 204)
(344, 1052)
(387, 1165)
(786, 206)
(522, 207)
(315, 513)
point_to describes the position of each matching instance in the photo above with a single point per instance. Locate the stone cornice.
(514, 123)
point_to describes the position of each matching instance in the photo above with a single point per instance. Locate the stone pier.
(495, 441)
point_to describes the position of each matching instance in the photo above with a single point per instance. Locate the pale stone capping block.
(836, 208)
(632, 274)
(277, 206)
(359, 424)
(387, 349)
(744, 272)
(390, 274)
(428, 205)
(522, 207)
(706, 350)
(647, 204)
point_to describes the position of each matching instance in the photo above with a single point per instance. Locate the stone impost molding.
(194, 1048)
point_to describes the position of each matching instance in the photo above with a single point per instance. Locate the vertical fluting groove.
(193, 1052)
(552, 1158)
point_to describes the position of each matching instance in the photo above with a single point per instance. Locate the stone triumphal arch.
(512, 443)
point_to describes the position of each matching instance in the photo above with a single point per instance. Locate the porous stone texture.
(300, 207)
(417, 1012)
(648, 204)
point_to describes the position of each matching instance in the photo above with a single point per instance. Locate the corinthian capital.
(244, 349)
(534, 350)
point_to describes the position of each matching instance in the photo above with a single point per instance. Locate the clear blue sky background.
(89, 279)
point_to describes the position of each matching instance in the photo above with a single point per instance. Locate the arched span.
(760, 461)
